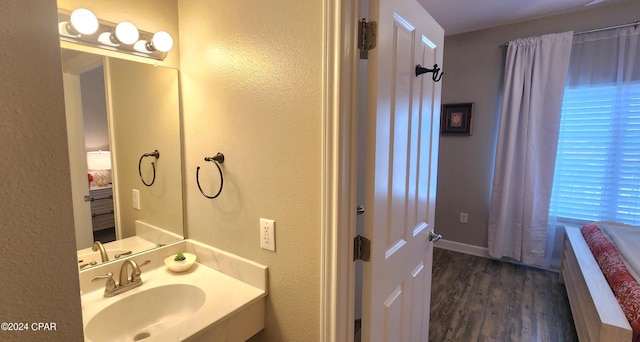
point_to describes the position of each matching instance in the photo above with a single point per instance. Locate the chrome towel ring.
(155, 154)
(217, 160)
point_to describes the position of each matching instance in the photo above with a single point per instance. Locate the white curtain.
(535, 75)
(598, 132)
(605, 57)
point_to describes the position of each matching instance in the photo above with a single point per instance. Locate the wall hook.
(437, 75)
(219, 157)
(217, 160)
(154, 154)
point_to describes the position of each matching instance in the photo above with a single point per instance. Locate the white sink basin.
(146, 313)
(201, 304)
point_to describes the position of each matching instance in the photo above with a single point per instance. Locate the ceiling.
(460, 16)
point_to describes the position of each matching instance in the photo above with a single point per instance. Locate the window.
(597, 172)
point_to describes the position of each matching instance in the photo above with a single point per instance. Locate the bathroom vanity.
(220, 298)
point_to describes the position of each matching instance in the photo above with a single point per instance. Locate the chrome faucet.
(126, 283)
(103, 253)
(135, 279)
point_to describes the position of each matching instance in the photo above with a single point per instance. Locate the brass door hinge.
(361, 248)
(367, 37)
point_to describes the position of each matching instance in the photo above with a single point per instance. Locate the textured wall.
(39, 281)
(251, 81)
(473, 64)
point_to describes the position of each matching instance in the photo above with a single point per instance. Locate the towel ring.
(155, 154)
(217, 160)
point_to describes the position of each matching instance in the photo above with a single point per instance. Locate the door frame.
(339, 167)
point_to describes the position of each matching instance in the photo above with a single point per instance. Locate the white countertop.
(225, 296)
(234, 287)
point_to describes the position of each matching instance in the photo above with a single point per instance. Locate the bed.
(598, 314)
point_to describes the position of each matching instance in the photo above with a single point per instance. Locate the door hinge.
(361, 248)
(367, 37)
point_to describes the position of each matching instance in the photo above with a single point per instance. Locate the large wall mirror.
(124, 130)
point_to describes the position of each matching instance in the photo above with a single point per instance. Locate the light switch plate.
(136, 198)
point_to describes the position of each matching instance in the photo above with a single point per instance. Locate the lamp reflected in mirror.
(99, 163)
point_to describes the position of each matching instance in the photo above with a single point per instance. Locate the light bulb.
(83, 21)
(161, 41)
(107, 39)
(141, 46)
(126, 33)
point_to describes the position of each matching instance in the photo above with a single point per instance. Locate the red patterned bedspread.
(624, 286)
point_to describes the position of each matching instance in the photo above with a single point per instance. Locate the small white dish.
(180, 266)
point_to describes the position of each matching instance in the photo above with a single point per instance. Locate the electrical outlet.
(268, 234)
(464, 217)
(136, 199)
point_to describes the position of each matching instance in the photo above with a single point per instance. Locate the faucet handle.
(118, 256)
(135, 276)
(110, 285)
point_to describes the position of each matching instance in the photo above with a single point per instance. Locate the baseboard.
(481, 252)
(463, 248)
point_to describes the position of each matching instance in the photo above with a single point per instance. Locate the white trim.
(337, 220)
(77, 159)
(463, 248)
(81, 63)
(481, 252)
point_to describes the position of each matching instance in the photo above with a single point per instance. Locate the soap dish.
(180, 266)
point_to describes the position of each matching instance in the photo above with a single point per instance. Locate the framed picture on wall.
(456, 119)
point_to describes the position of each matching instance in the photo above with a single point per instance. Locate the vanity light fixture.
(82, 22)
(125, 33)
(161, 41)
(82, 27)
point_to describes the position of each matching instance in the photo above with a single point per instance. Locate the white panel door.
(77, 160)
(403, 115)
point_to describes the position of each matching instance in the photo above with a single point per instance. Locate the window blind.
(597, 172)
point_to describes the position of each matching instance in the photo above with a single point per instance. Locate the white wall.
(473, 64)
(252, 84)
(94, 110)
(39, 280)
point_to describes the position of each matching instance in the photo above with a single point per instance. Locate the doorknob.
(360, 209)
(434, 237)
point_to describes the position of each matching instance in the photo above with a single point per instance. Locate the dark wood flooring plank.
(479, 299)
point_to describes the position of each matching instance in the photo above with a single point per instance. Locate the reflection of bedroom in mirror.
(88, 135)
(118, 110)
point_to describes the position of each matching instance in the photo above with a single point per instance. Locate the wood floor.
(478, 299)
